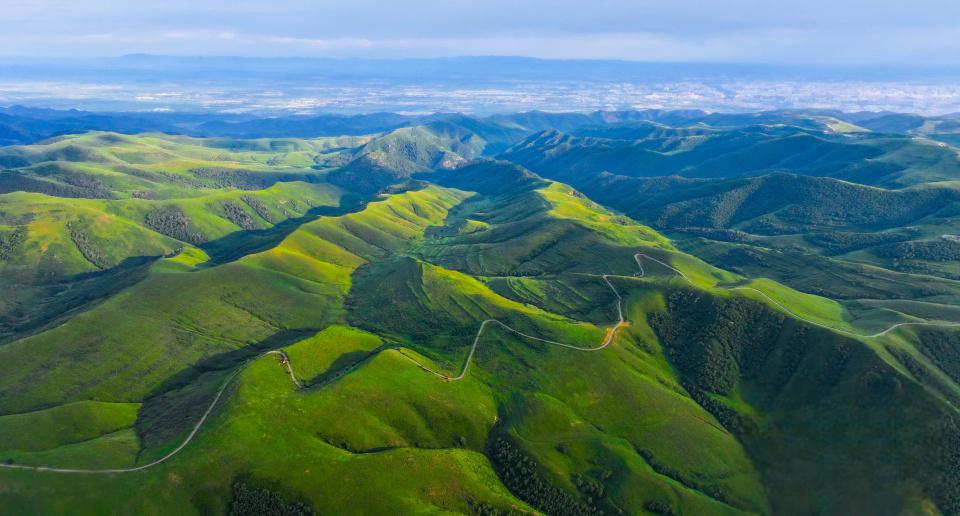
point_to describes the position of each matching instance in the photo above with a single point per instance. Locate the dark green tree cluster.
(236, 214)
(947, 479)
(722, 235)
(928, 250)
(173, 222)
(840, 242)
(11, 241)
(771, 204)
(17, 182)
(169, 415)
(942, 347)
(916, 369)
(221, 177)
(710, 490)
(143, 194)
(91, 186)
(257, 501)
(259, 207)
(714, 341)
(521, 474)
(590, 488)
(92, 252)
(728, 418)
(485, 509)
(658, 507)
(771, 225)
(941, 464)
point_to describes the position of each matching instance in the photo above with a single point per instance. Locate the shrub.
(173, 222)
(521, 475)
(257, 501)
(930, 250)
(484, 509)
(590, 488)
(10, 242)
(236, 214)
(658, 507)
(260, 208)
(87, 248)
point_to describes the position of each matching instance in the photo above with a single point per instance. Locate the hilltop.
(638, 312)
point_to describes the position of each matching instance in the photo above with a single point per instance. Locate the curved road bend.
(196, 428)
(285, 360)
(608, 338)
(785, 308)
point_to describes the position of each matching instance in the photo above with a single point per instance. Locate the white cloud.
(850, 31)
(316, 43)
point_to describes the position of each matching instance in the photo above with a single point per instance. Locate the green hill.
(110, 166)
(881, 160)
(796, 228)
(395, 324)
(446, 143)
(81, 215)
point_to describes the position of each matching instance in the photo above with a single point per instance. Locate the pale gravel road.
(607, 340)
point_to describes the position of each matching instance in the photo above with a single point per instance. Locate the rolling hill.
(396, 323)
(785, 202)
(873, 159)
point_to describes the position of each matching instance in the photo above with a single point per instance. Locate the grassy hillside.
(188, 315)
(82, 215)
(59, 255)
(392, 157)
(818, 411)
(881, 160)
(899, 229)
(109, 165)
(452, 440)
(825, 236)
(724, 391)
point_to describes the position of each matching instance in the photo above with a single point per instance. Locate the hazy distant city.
(468, 85)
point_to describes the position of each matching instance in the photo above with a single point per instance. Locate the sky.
(853, 32)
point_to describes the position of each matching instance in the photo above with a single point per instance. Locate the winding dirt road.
(607, 340)
(284, 360)
(196, 428)
(787, 309)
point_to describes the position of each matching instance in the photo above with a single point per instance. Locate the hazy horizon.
(301, 57)
(854, 32)
(480, 257)
(480, 85)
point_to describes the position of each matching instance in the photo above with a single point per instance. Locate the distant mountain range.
(24, 125)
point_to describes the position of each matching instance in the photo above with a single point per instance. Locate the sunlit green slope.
(718, 394)
(82, 215)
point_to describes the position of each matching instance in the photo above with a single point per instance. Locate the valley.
(636, 312)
